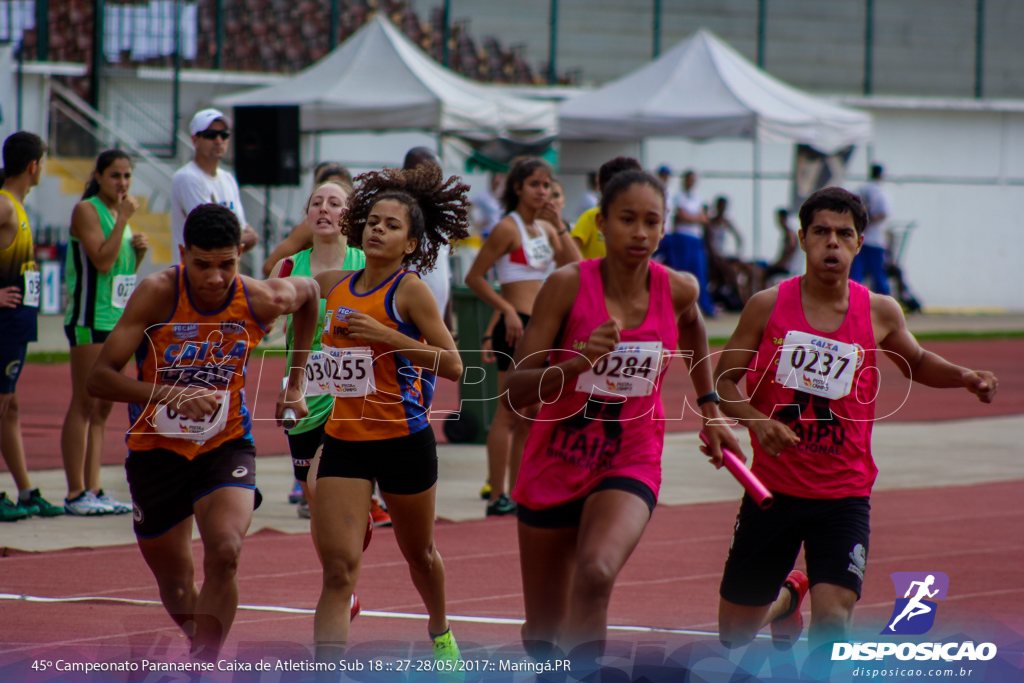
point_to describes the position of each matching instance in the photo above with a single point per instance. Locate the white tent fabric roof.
(704, 89)
(379, 80)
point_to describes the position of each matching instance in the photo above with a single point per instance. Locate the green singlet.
(97, 300)
(319, 406)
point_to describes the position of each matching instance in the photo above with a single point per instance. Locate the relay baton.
(288, 418)
(758, 491)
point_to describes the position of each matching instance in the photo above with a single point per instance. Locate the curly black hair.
(438, 209)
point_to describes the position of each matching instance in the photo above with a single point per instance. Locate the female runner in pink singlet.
(592, 464)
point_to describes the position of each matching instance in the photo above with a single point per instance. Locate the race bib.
(33, 286)
(538, 252)
(124, 285)
(630, 370)
(318, 381)
(818, 365)
(350, 371)
(169, 422)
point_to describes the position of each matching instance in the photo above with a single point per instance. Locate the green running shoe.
(445, 647)
(12, 512)
(44, 508)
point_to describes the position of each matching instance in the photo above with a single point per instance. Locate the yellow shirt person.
(588, 238)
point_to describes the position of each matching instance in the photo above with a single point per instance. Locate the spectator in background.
(585, 234)
(19, 305)
(301, 236)
(591, 198)
(871, 259)
(102, 259)
(201, 181)
(665, 176)
(724, 264)
(790, 257)
(487, 209)
(525, 248)
(439, 279)
(683, 247)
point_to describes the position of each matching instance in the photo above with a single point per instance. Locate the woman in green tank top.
(102, 259)
(330, 251)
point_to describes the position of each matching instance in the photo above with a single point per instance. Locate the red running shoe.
(369, 533)
(379, 514)
(356, 607)
(788, 627)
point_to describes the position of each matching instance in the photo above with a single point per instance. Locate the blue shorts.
(12, 359)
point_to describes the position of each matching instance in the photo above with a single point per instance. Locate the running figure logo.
(914, 613)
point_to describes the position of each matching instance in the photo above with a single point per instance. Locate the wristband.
(486, 338)
(711, 396)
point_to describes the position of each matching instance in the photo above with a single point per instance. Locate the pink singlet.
(603, 425)
(823, 387)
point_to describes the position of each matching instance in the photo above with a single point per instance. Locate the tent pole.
(756, 183)
(440, 147)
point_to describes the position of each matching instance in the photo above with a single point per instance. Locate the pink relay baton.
(758, 491)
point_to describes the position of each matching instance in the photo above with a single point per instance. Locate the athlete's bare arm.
(301, 237)
(152, 303)
(328, 279)
(249, 238)
(528, 381)
(773, 436)
(9, 296)
(916, 363)
(85, 225)
(300, 298)
(562, 244)
(415, 303)
(497, 244)
(693, 338)
(8, 223)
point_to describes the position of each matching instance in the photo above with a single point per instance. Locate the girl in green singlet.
(330, 251)
(102, 259)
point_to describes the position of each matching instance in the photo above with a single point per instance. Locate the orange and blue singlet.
(400, 404)
(201, 349)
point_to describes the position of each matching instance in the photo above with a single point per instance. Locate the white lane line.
(364, 613)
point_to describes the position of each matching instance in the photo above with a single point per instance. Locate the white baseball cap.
(205, 118)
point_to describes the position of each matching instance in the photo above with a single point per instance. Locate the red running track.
(971, 533)
(44, 392)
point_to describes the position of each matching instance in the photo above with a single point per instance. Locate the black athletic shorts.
(165, 485)
(404, 466)
(765, 545)
(502, 351)
(12, 360)
(568, 514)
(303, 448)
(80, 335)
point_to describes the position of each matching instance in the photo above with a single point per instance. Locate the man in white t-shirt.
(200, 181)
(871, 259)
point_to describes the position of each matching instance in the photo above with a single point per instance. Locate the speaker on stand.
(267, 152)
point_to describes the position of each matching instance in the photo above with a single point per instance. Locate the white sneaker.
(87, 505)
(119, 507)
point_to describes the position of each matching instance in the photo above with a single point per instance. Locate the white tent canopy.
(379, 80)
(703, 89)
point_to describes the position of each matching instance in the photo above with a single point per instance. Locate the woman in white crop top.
(524, 248)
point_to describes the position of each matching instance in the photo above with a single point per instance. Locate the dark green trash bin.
(478, 386)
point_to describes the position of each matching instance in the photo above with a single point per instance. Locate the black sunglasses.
(214, 134)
